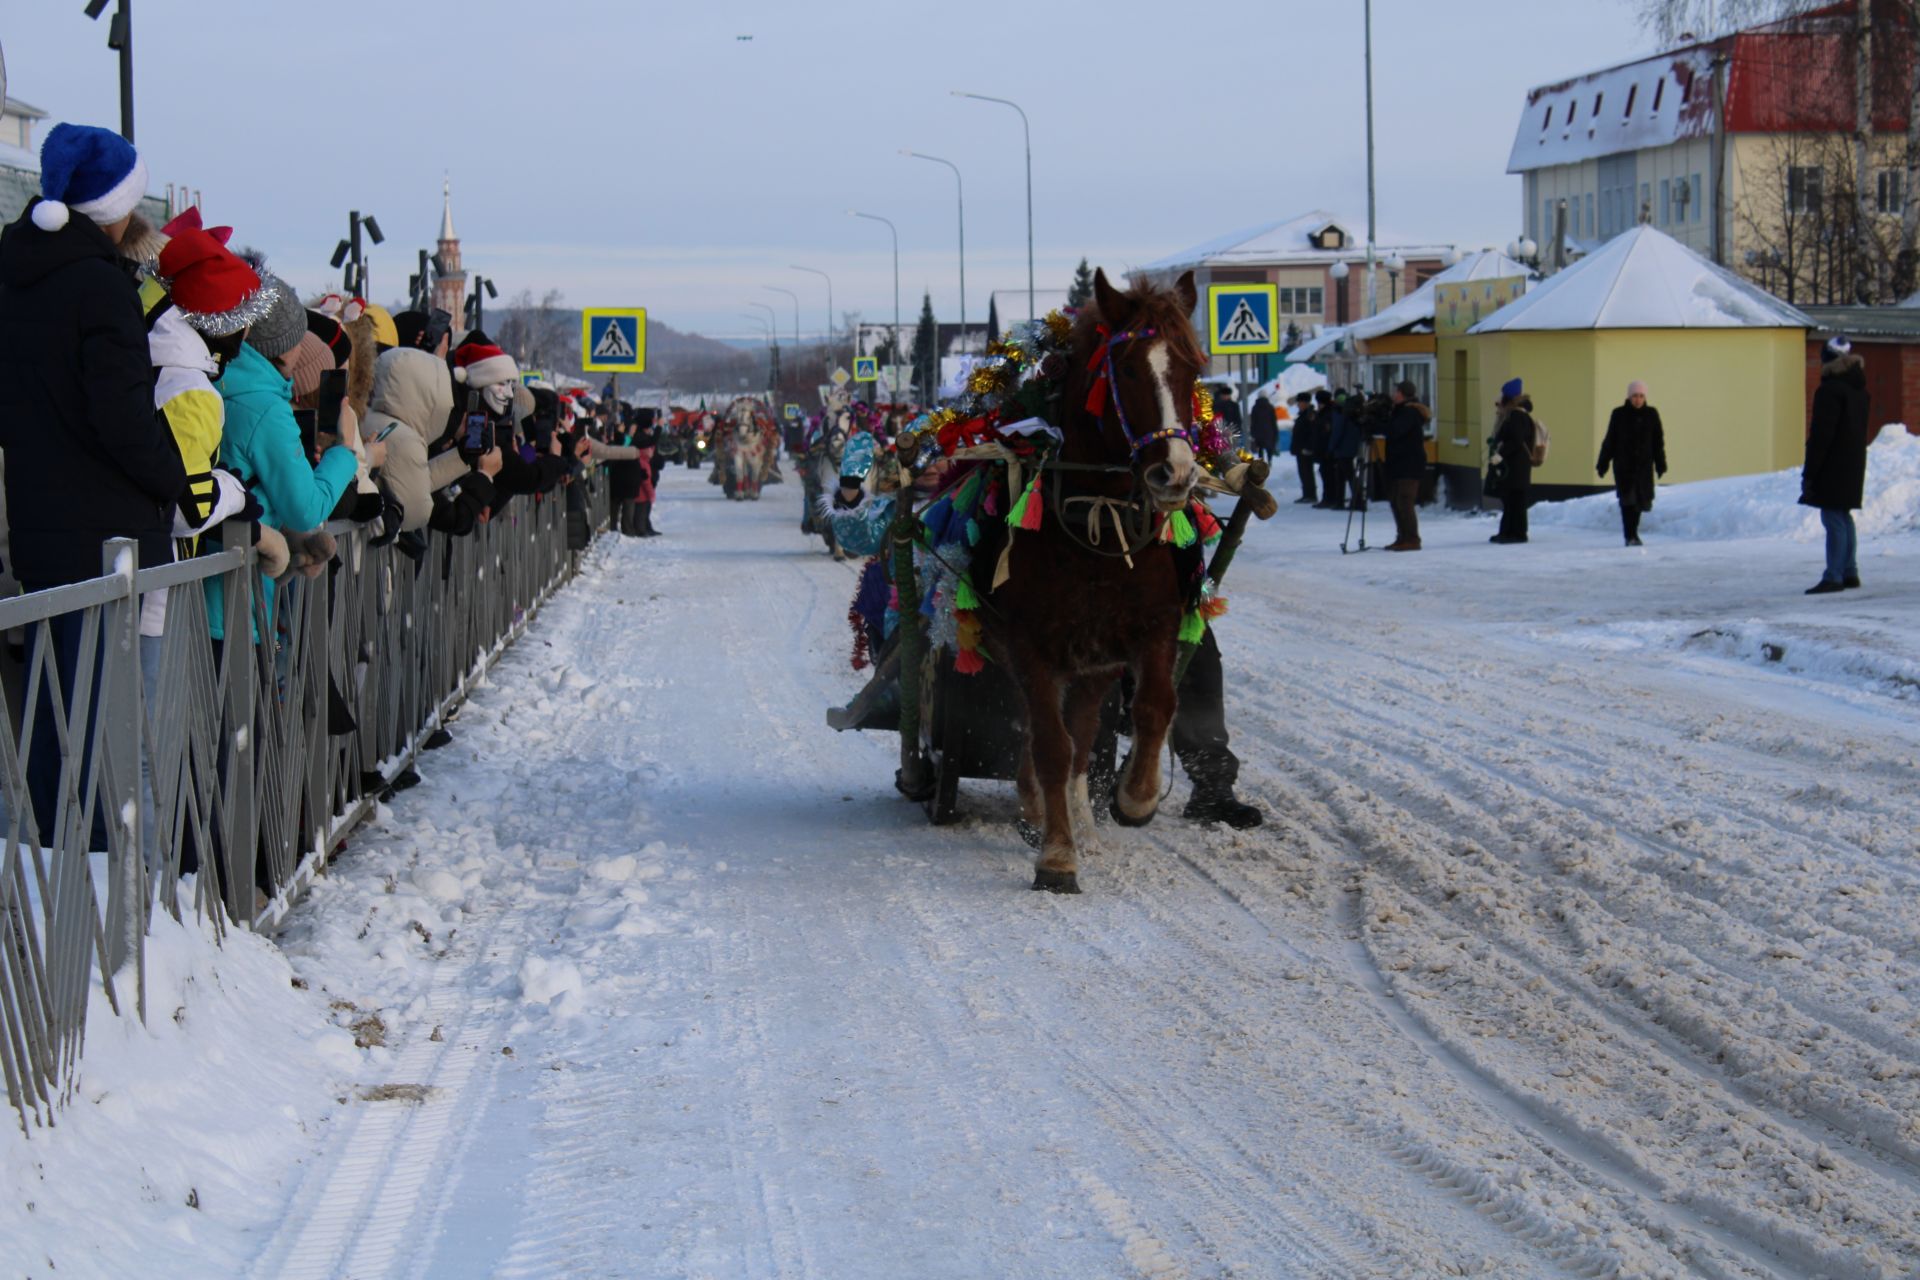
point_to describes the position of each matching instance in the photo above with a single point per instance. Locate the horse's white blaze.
(1179, 453)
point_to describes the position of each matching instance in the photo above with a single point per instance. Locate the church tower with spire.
(450, 287)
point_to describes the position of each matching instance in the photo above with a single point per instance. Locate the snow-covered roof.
(1418, 307)
(1287, 241)
(1318, 346)
(1650, 103)
(1644, 279)
(26, 110)
(18, 158)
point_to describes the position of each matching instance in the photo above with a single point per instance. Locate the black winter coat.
(1407, 441)
(1836, 470)
(1264, 426)
(1305, 441)
(1636, 448)
(1513, 444)
(88, 457)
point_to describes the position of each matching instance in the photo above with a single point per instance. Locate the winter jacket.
(1836, 470)
(1513, 444)
(1306, 434)
(1343, 434)
(1636, 448)
(88, 459)
(625, 477)
(1406, 437)
(412, 397)
(262, 446)
(1264, 425)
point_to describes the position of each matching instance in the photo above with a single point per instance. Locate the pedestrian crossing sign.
(1241, 318)
(793, 413)
(614, 340)
(866, 368)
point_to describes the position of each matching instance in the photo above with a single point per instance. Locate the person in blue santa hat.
(87, 457)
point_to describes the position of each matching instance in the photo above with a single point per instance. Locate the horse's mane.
(1154, 306)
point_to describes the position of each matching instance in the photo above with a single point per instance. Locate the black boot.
(1215, 802)
(646, 521)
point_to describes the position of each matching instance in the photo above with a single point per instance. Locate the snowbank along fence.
(247, 761)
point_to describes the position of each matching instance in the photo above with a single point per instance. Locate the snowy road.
(1576, 944)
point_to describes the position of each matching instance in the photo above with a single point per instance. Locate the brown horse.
(1093, 593)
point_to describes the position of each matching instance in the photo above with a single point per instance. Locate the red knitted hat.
(213, 289)
(480, 364)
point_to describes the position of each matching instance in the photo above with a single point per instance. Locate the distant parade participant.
(1263, 428)
(1834, 478)
(1636, 448)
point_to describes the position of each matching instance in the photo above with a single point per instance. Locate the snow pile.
(181, 1131)
(1762, 506)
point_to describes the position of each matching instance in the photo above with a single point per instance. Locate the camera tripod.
(1363, 485)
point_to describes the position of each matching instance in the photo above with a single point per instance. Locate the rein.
(1132, 533)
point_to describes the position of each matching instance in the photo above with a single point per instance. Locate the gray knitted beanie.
(284, 325)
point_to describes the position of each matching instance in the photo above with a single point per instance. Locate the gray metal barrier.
(216, 776)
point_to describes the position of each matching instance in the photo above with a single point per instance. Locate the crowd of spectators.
(158, 385)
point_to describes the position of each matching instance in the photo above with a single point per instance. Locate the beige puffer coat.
(412, 399)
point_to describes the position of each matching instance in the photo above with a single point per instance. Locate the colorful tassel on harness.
(1180, 530)
(1193, 627)
(1207, 523)
(968, 662)
(966, 625)
(1027, 511)
(964, 597)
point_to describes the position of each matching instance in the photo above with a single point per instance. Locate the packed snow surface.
(1579, 941)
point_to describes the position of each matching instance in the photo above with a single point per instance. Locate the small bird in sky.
(744, 39)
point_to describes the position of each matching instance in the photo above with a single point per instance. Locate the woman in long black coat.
(1636, 449)
(1835, 476)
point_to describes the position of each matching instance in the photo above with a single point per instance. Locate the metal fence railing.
(134, 767)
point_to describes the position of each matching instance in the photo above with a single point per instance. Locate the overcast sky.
(641, 153)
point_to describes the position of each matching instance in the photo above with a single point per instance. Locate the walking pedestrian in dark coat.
(1835, 475)
(1512, 443)
(1636, 448)
(1406, 464)
(1264, 427)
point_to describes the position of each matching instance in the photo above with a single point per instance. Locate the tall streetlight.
(815, 271)
(1373, 281)
(1027, 135)
(895, 344)
(774, 288)
(960, 193)
(773, 344)
(120, 40)
(348, 253)
(476, 305)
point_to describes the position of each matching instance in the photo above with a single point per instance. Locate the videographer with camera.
(1406, 464)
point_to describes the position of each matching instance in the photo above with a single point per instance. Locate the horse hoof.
(1120, 815)
(1056, 881)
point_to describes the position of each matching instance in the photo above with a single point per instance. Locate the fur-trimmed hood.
(1847, 364)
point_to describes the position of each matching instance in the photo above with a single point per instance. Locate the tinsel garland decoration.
(854, 620)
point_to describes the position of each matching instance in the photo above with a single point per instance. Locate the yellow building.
(1724, 362)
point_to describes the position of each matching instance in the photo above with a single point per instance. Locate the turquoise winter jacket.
(261, 445)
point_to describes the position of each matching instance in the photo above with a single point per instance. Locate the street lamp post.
(1395, 265)
(120, 40)
(476, 305)
(815, 271)
(774, 288)
(1373, 282)
(347, 252)
(1027, 135)
(960, 193)
(773, 346)
(874, 217)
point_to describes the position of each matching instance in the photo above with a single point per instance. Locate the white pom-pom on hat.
(460, 374)
(50, 215)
